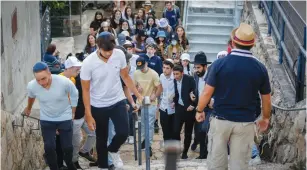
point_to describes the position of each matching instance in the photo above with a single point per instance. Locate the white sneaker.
(130, 140)
(117, 161)
(255, 161)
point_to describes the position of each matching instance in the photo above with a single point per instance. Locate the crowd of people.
(127, 57)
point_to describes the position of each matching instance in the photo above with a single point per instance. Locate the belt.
(217, 117)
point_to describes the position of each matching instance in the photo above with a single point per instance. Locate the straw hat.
(243, 35)
(147, 3)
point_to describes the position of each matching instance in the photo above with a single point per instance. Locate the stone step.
(206, 36)
(210, 19)
(212, 28)
(201, 10)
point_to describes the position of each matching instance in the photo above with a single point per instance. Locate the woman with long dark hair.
(151, 27)
(125, 27)
(129, 16)
(140, 42)
(95, 24)
(183, 41)
(90, 45)
(141, 15)
(185, 62)
(116, 19)
(161, 43)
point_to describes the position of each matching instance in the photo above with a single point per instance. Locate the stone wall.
(20, 150)
(286, 136)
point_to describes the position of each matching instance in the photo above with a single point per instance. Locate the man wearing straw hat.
(235, 81)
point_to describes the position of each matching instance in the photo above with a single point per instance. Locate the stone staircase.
(208, 25)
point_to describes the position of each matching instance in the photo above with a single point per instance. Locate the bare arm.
(159, 90)
(30, 103)
(128, 81)
(86, 96)
(128, 95)
(266, 106)
(205, 97)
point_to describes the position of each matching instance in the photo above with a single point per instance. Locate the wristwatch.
(197, 111)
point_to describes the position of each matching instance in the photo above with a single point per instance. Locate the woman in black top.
(116, 19)
(95, 24)
(125, 27)
(90, 44)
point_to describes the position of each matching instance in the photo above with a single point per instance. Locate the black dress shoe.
(201, 157)
(184, 156)
(111, 167)
(77, 165)
(93, 164)
(87, 156)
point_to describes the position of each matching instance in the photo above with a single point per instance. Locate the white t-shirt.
(105, 85)
(133, 60)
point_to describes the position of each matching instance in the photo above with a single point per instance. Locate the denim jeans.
(48, 129)
(110, 137)
(79, 124)
(255, 151)
(152, 118)
(118, 114)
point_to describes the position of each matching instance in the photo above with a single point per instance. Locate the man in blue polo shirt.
(235, 81)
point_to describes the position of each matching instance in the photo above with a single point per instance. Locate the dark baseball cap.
(140, 63)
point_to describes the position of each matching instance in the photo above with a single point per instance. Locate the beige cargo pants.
(241, 137)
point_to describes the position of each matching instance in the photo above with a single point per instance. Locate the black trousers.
(182, 116)
(119, 116)
(201, 138)
(167, 124)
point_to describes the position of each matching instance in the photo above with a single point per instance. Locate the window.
(14, 23)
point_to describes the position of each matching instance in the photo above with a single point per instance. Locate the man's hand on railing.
(27, 111)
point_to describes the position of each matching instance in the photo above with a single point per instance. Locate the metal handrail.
(185, 11)
(300, 75)
(14, 124)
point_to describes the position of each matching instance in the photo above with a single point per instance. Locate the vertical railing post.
(134, 118)
(301, 64)
(140, 142)
(270, 14)
(70, 22)
(282, 36)
(146, 120)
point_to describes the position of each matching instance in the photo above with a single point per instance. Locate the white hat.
(185, 56)
(163, 22)
(126, 33)
(127, 42)
(221, 54)
(72, 62)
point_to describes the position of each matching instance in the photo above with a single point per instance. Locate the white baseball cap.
(185, 56)
(126, 33)
(72, 62)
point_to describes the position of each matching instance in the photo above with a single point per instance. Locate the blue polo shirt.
(154, 63)
(237, 79)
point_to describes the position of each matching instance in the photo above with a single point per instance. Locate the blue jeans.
(48, 129)
(255, 151)
(152, 118)
(110, 137)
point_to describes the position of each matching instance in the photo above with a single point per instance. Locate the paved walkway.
(157, 160)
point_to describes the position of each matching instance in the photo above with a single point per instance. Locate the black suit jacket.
(187, 86)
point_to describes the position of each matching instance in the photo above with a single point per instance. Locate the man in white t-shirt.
(104, 98)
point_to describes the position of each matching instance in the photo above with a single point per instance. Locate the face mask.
(149, 55)
(125, 28)
(174, 42)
